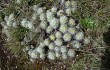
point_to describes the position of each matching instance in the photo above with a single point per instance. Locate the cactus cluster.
(62, 33)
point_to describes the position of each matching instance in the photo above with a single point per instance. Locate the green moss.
(88, 23)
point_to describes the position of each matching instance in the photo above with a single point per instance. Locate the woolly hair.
(64, 56)
(49, 15)
(54, 9)
(51, 55)
(60, 13)
(63, 19)
(34, 54)
(47, 42)
(39, 49)
(51, 46)
(67, 37)
(72, 30)
(71, 22)
(49, 29)
(42, 16)
(67, 3)
(58, 34)
(63, 28)
(68, 11)
(54, 23)
(76, 44)
(63, 49)
(79, 36)
(71, 53)
(58, 42)
(40, 10)
(42, 44)
(52, 37)
(42, 55)
(57, 49)
(43, 25)
(57, 54)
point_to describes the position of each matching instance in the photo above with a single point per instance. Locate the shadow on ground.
(105, 62)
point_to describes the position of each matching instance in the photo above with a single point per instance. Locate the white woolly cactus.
(57, 54)
(14, 24)
(79, 36)
(52, 37)
(72, 30)
(68, 11)
(42, 16)
(43, 25)
(51, 55)
(74, 5)
(35, 7)
(27, 24)
(54, 23)
(6, 31)
(54, 9)
(9, 23)
(10, 20)
(40, 10)
(51, 46)
(76, 44)
(29, 52)
(30, 25)
(57, 49)
(63, 28)
(58, 42)
(67, 3)
(63, 49)
(71, 53)
(60, 13)
(71, 22)
(34, 54)
(47, 42)
(18, 1)
(64, 56)
(49, 29)
(42, 44)
(50, 15)
(58, 34)
(24, 22)
(59, 28)
(63, 19)
(67, 37)
(11, 16)
(42, 55)
(27, 48)
(6, 18)
(39, 49)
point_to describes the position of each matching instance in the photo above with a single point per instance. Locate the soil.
(5, 55)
